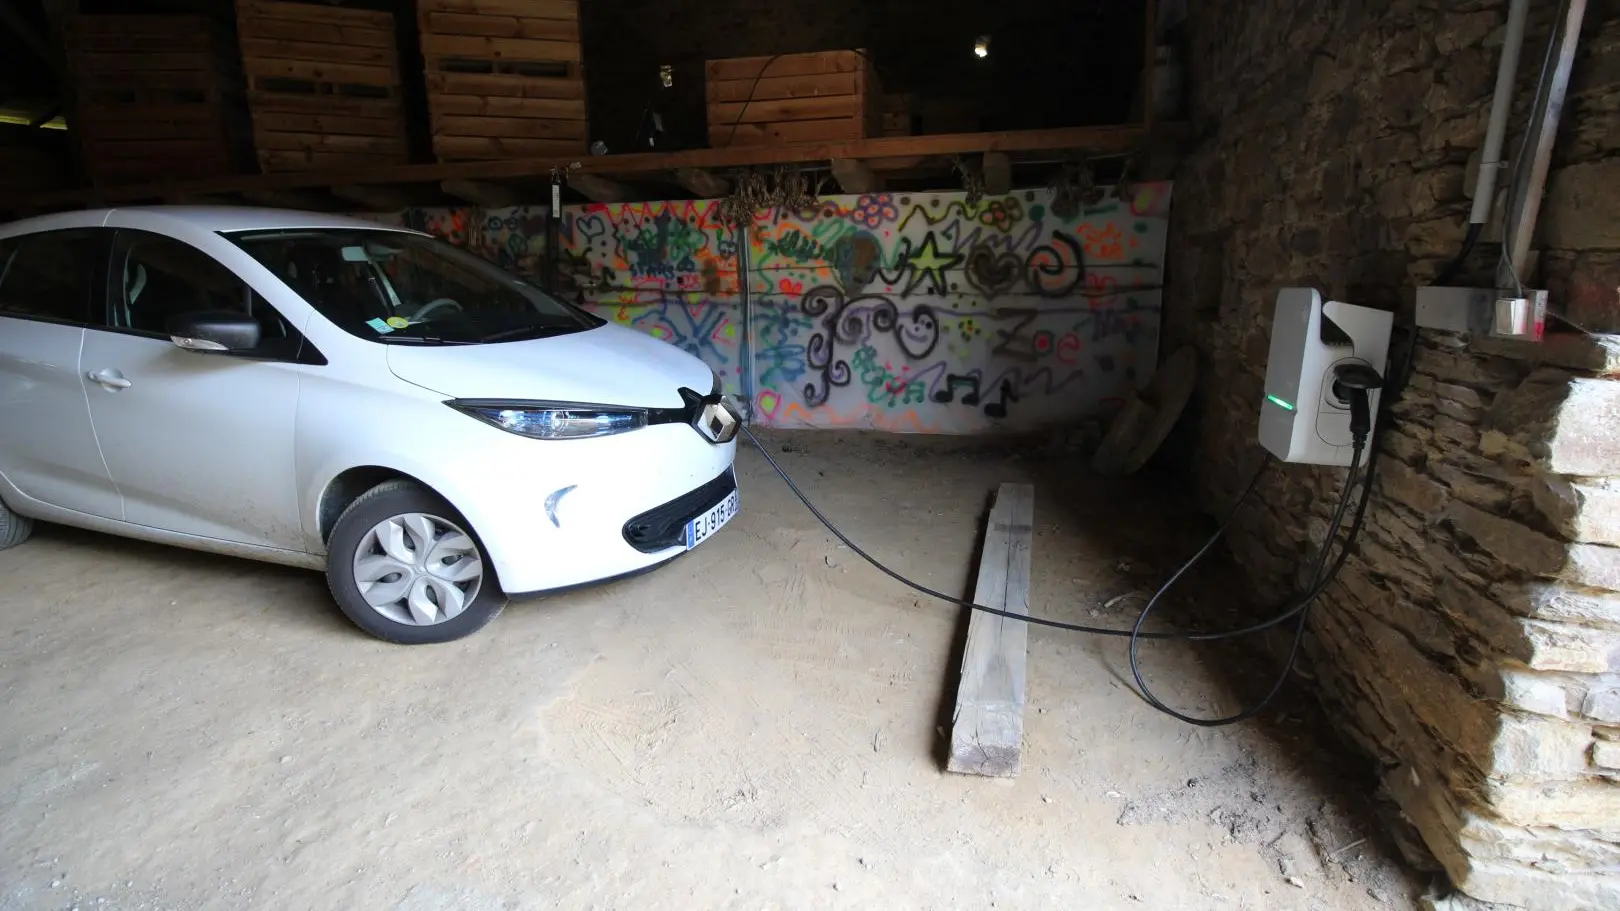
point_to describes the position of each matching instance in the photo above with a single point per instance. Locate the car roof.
(206, 218)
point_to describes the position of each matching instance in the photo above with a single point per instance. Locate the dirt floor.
(756, 725)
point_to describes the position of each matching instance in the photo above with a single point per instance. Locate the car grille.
(663, 527)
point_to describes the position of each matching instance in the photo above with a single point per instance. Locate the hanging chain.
(1072, 188)
(787, 188)
(972, 180)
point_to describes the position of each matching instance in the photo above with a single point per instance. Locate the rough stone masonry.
(1472, 645)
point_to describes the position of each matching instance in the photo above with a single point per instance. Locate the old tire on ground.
(405, 566)
(14, 529)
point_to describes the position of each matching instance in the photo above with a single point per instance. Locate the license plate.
(699, 529)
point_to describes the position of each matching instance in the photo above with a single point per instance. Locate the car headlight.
(554, 421)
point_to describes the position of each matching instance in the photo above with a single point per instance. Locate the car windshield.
(400, 288)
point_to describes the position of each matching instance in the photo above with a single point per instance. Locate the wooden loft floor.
(857, 165)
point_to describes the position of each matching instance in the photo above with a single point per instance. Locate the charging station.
(1322, 355)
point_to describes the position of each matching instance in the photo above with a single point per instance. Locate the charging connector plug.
(1353, 383)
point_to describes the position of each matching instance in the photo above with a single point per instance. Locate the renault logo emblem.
(719, 420)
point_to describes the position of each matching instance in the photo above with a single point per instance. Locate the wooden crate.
(147, 97)
(899, 114)
(505, 78)
(791, 98)
(323, 85)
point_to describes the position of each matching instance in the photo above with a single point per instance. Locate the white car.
(433, 432)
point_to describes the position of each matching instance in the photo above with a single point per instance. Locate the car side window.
(155, 278)
(52, 275)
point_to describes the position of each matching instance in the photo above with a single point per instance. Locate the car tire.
(396, 560)
(14, 529)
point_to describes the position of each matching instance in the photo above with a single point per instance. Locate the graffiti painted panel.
(669, 269)
(910, 312)
(919, 312)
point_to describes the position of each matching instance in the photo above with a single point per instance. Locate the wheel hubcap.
(418, 569)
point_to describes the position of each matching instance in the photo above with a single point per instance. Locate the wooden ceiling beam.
(300, 198)
(997, 171)
(1091, 140)
(488, 195)
(701, 183)
(374, 198)
(597, 188)
(855, 176)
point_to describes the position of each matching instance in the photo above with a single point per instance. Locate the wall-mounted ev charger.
(1323, 374)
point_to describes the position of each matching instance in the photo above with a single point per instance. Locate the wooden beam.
(24, 32)
(1150, 46)
(376, 199)
(997, 170)
(488, 195)
(200, 199)
(299, 198)
(987, 730)
(1092, 140)
(598, 189)
(701, 183)
(854, 176)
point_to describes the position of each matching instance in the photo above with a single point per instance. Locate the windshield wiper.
(523, 332)
(420, 340)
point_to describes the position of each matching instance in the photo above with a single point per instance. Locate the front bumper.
(557, 514)
(663, 527)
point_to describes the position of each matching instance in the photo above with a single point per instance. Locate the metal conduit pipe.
(1530, 174)
(1490, 158)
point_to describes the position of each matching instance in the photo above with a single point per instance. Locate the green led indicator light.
(1279, 402)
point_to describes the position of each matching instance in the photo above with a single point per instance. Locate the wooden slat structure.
(505, 78)
(883, 154)
(323, 85)
(987, 731)
(897, 114)
(148, 97)
(825, 95)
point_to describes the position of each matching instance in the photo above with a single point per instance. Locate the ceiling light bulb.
(981, 48)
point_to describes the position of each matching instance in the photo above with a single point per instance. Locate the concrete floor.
(756, 725)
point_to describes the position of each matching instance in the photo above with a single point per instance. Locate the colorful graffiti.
(909, 312)
(669, 269)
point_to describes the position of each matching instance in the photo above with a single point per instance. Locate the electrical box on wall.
(1304, 418)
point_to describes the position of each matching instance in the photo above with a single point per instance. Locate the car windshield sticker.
(399, 322)
(380, 326)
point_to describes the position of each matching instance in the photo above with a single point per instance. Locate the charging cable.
(1352, 382)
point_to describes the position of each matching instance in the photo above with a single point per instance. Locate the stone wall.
(1472, 645)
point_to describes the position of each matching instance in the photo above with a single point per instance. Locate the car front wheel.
(406, 567)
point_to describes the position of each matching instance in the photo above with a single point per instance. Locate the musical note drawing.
(948, 394)
(998, 408)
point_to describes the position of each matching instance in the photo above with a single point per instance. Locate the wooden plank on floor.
(987, 730)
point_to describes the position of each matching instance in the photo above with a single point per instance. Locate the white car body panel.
(224, 427)
(568, 368)
(51, 452)
(235, 455)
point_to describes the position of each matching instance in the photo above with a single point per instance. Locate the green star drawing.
(928, 262)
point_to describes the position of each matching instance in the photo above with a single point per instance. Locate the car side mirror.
(214, 331)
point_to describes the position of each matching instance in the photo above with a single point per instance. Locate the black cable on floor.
(1038, 621)
(1299, 608)
(1319, 583)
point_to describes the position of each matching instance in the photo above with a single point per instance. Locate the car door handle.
(112, 379)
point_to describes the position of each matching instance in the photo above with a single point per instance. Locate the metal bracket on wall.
(1483, 311)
